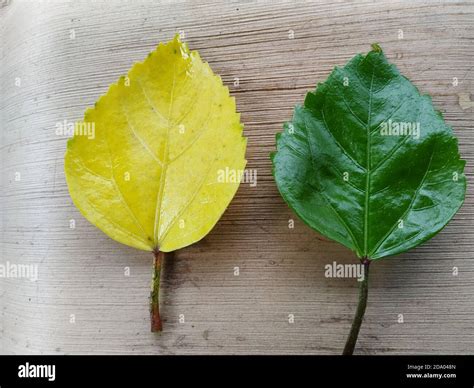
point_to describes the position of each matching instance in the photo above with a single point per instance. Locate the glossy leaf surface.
(368, 162)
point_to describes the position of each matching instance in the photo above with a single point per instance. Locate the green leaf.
(353, 166)
(150, 175)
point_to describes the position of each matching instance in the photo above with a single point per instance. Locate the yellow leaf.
(145, 165)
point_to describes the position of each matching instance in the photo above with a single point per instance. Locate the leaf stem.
(156, 325)
(359, 315)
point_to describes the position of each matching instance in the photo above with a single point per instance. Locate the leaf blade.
(337, 134)
(167, 127)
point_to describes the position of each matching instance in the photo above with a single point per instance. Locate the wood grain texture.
(81, 271)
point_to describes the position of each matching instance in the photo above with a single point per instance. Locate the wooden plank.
(81, 271)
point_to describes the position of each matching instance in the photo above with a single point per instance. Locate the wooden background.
(81, 271)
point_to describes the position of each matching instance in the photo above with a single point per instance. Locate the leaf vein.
(154, 109)
(159, 196)
(141, 141)
(368, 162)
(339, 144)
(415, 195)
(341, 220)
(117, 189)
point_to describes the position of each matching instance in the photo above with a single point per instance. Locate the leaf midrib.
(159, 196)
(367, 166)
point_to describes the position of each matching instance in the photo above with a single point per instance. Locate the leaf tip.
(181, 47)
(376, 48)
